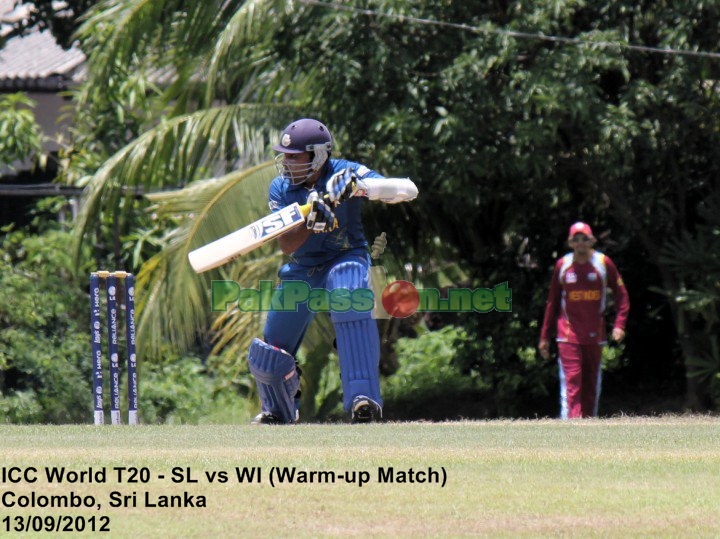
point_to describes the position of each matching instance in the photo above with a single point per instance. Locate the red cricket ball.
(400, 299)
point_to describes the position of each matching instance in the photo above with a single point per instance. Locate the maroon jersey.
(577, 300)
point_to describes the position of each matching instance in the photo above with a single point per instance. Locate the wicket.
(110, 278)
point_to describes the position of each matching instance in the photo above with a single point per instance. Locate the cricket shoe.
(365, 410)
(266, 418)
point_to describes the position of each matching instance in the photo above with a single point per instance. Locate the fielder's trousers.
(580, 379)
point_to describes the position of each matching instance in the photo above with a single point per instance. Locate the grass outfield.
(631, 477)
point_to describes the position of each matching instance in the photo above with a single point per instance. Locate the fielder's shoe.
(266, 418)
(365, 410)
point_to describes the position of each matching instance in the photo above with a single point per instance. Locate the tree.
(693, 259)
(20, 135)
(514, 119)
(45, 370)
(60, 18)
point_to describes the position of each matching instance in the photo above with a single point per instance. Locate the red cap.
(581, 228)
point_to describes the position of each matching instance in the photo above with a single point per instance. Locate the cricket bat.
(248, 238)
(252, 236)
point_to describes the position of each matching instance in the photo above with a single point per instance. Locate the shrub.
(427, 383)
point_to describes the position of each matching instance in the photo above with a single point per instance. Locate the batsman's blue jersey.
(349, 235)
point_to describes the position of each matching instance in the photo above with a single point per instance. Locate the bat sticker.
(280, 220)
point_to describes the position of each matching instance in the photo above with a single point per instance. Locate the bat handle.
(305, 209)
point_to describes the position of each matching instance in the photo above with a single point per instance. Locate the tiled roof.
(36, 61)
(10, 13)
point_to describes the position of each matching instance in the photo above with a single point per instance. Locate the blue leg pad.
(358, 345)
(351, 275)
(358, 342)
(276, 378)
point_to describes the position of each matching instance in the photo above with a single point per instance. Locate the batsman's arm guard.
(276, 377)
(389, 190)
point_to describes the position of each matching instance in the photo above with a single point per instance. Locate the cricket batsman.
(329, 252)
(576, 306)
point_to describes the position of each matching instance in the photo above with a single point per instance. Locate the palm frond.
(175, 303)
(199, 44)
(116, 33)
(173, 153)
(242, 61)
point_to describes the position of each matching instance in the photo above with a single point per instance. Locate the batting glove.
(321, 217)
(341, 186)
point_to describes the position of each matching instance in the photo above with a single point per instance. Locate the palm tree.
(199, 90)
(200, 71)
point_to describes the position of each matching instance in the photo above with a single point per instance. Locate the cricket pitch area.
(624, 477)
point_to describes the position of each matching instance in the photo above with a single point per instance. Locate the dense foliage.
(513, 136)
(20, 134)
(45, 360)
(515, 119)
(44, 365)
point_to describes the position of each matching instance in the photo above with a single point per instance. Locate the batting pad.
(350, 274)
(358, 342)
(358, 345)
(276, 378)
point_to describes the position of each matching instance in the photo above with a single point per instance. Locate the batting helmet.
(304, 135)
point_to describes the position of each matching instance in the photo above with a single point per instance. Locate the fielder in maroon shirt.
(576, 306)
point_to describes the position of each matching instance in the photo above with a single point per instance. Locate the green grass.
(630, 477)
